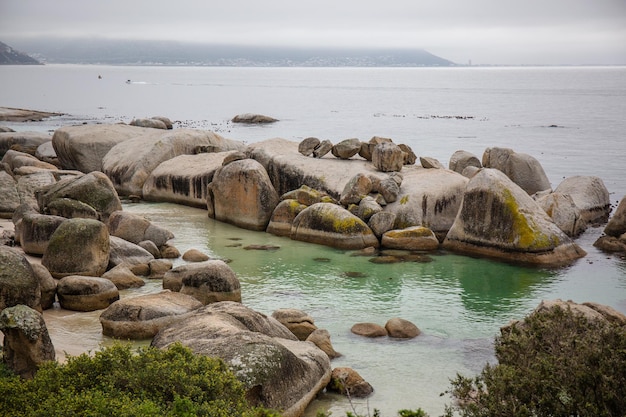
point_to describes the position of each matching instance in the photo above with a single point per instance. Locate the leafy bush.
(554, 363)
(118, 382)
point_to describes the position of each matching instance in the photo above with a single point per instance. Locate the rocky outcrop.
(83, 147)
(86, 293)
(297, 321)
(136, 229)
(589, 195)
(208, 282)
(331, 225)
(523, 169)
(349, 382)
(78, 247)
(401, 328)
(93, 189)
(412, 238)
(130, 163)
(252, 118)
(184, 179)
(144, 316)
(242, 194)
(277, 370)
(26, 142)
(18, 283)
(499, 219)
(27, 343)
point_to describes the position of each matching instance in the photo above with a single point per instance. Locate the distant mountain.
(9, 56)
(133, 52)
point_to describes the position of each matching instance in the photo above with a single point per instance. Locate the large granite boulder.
(28, 185)
(590, 196)
(144, 316)
(563, 212)
(136, 229)
(10, 200)
(388, 157)
(130, 163)
(242, 194)
(123, 252)
(401, 328)
(499, 219)
(332, 225)
(418, 238)
(123, 278)
(184, 179)
(15, 160)
(36, 230)
(523, 169)
(94, 189)
(283, 216)
(208, 282)
(347, 148)
(78, 247)
(86, 293)
(617, 225)
(45, 152)
(18, 282)
(428, 197)
(27, 343)
(26, 142)
(83, 147)
(462, 159)
(356, 189)
(277, 370)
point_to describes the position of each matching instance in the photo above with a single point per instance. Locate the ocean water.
(572, 119)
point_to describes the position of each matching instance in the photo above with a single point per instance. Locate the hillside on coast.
(145, 52)
(10, 56)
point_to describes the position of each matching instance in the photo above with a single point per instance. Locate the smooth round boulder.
(590, 196)
(369, 330)
(128, 253)
(144, 316)
(36, 231)
(194, 255)
(523, 169)
(86, 293)
(123, 278)
(209, 282)
(401, 328)
(297, 321)
(347, 148)
(462, 159)
(283, 216)
(308, 145)
(136, 229)
(332, 225)
(18, 281)
(78, 247)
(349, 382)
(321, 339)
(411, 238)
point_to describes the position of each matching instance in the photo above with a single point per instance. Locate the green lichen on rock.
(404, 200)
(525, 231)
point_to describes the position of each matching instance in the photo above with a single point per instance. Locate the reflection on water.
(458, 302)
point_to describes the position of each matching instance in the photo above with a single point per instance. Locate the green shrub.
(554, 363)
(118, 382)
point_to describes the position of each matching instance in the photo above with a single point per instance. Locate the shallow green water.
(458, 302)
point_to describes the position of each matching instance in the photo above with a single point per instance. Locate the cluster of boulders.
(395, 327)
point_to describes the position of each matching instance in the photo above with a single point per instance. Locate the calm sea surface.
(573, 120)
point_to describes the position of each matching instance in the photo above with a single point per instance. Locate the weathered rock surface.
(411, 238)
(381, 222)
(401, 328)
(331, 225)
(18, 282)
(501, 220)
(27, 185)
(123, 252)
(136, 229)
(251, 118)
(349, 382)
(26, 142)
(94, 189)
(27, 343)
(130, 163)
(83, 147)
(36, 231)
(242, 194)
(78, 247)
(523, 169)
(86, 293)
(356, 189)
(369, 330)
(590, 195)
(297, 321)
(321, 339)
(388, 157)
(347, 148)
(283, 216)
(144, 316)
(278, 371)
(208, 282)
(463, 159)
(10, 200)
(123, 278)
(617, 224)
(563, 212)
(45, 152)
(184, 179)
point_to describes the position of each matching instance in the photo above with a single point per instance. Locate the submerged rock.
(499, 219)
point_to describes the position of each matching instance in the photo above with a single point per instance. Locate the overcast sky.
(483, 31)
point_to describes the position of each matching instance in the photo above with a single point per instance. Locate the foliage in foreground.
(556, 363)
(118, 382)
